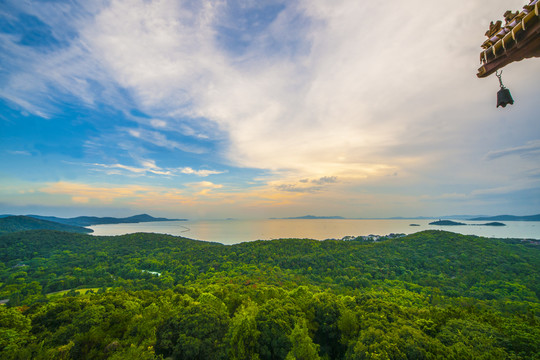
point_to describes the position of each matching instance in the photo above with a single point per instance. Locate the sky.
(261, 108)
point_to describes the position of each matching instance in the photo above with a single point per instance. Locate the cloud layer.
(373, 103)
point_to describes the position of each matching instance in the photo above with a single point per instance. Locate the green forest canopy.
(432, 294)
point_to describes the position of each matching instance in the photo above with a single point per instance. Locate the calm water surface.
(237, 231)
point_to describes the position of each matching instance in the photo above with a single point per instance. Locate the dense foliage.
(430, 295)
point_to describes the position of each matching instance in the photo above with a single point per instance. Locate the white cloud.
(366, 75)
(202, 173)
(158, 123)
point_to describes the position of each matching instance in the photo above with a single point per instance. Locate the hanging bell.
(503, 95)
(504, 98)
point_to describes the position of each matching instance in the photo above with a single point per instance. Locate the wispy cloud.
(20, 152)
(325, 180)
(508, 189)
(150, 167)
(203, 172)
(132, 169)
(306, 185)
(531, 148)
(159, 139)
(298, 189)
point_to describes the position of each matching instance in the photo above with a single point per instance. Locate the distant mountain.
(312, 217)
(11, 224)
(93, 220)
(507, 218)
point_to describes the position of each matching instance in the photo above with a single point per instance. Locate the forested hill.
(433, 294)
(20, 223)
(94, 220)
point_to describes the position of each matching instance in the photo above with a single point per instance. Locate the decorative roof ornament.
(518, 39)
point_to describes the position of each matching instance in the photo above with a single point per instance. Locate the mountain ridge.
(16, 223)
(508, 218)
(95, 220)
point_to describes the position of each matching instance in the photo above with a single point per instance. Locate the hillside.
(433, 294)
(21, 223)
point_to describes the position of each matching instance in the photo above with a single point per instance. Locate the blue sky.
(256, 109)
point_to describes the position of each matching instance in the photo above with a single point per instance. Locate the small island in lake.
(446, 223)
(494, 223)
(452, 223)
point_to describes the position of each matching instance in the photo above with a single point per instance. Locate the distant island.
(494, 223)
(446, 223)
(507, 218)
(453, 217)
(453, 223)
(310, 217)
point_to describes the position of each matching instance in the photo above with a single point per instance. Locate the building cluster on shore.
(372, 238)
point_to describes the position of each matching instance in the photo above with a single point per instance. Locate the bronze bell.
(504, 98)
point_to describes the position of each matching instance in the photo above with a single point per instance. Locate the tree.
(243, 334)
(303, 347)
(196, 332)
(275, 320)
(14, 331)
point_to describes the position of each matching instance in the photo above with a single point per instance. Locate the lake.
(237, 231)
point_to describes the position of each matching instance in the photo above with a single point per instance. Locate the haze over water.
(237, 231)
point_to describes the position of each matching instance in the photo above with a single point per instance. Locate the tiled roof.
(518, 39)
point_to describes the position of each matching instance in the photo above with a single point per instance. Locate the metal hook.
(499, 76)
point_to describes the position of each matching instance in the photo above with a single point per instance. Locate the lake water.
(237, 231)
